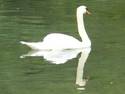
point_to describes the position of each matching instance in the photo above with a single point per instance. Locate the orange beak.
(87, 12)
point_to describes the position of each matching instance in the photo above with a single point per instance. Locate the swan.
(63, 41)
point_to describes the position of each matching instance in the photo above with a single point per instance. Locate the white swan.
(62, 41)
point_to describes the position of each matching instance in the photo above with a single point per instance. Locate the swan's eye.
(87, 9)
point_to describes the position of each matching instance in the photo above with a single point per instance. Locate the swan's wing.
(61, 41)
(57, 37)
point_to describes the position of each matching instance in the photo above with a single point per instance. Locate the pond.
(32, 20)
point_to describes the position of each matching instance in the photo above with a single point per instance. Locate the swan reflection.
(61, 57)
(80, 68)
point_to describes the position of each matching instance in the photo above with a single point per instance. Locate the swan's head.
(83, 10)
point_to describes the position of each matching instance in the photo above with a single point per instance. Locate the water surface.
(31, 20)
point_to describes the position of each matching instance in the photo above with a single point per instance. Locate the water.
(31, 20)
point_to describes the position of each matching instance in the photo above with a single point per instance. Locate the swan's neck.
(81, 29)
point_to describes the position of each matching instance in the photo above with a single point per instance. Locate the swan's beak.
(87, 12)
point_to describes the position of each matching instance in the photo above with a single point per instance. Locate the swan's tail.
(23, 42)
(32, 45)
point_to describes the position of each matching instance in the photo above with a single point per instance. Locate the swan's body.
(62, 41)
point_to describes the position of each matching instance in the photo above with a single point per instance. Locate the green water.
(31, 20)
